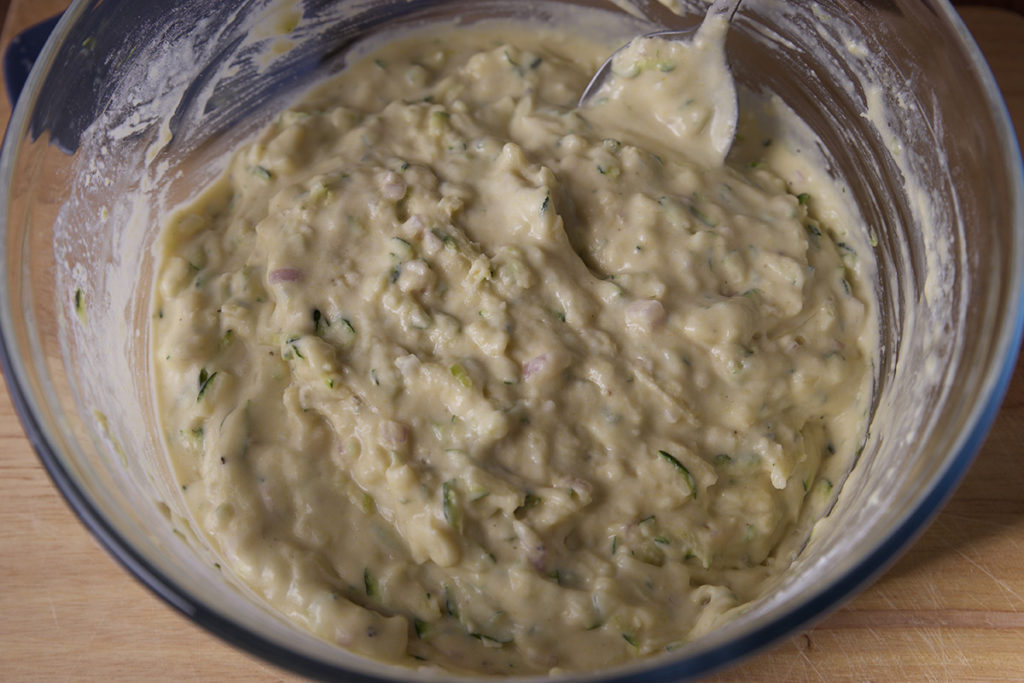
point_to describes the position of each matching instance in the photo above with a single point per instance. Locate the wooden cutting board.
(951, 609)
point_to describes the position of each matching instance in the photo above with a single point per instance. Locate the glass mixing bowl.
(131, 105)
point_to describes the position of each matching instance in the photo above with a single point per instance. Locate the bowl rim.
(808, 610)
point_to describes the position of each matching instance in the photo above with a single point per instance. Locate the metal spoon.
(725, 110)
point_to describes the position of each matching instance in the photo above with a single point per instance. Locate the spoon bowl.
(719, 93)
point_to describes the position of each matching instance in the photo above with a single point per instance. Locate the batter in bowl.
(456, 375)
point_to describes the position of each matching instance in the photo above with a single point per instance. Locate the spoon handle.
(720, 7)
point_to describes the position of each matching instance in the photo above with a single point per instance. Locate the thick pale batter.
(454, 374)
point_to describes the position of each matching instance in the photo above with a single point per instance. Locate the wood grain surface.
(951, 609)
